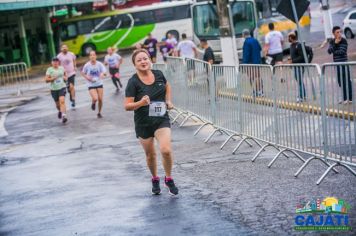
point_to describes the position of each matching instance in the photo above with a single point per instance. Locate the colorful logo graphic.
(327, 214)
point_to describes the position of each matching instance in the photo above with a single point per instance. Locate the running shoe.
(73, 103)
(93, 106)
(99, 115)
(64, 120)
(59, 115)
(169, 183)
(156, 190)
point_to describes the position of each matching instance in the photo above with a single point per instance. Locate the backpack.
(310, 53)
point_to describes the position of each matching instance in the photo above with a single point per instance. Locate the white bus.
(123, 28)
(254, 15)
(206, 23)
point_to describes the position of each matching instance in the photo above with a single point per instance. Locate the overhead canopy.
(8, 5)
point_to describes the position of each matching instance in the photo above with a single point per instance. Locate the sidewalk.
(89, 177)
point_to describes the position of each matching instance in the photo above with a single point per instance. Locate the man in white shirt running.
(274, 45)
(186, 48)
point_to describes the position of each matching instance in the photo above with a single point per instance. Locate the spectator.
(252, 55)
(151, 45)
(208, 52)
(186, 48)
(274, 46)
(166, 49)
(296, 54)
(338, 47)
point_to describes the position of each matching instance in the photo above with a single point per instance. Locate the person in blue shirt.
(252, 55)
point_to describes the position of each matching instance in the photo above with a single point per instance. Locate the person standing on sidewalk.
(68, 61)
(252, 55)
(273, 49)
(150, 44)
(56, 76)
(338, 47)
(208, 56)
(114, 60)
(94, 72)
(148, 94)
(297, 57)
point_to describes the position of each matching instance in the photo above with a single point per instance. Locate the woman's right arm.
(131, 105)
(48, 79)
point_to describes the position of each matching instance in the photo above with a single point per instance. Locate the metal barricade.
(160, 66)
(297, 110)
(176, 75)
(339, 110)
(256, 102)
(200, 91)
(14, 77)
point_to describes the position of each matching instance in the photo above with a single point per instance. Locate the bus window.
(182, 12)
(206, 22)
(121, 21)
(143, 18)
(243, 16)
(85, 26)
(164, 14)
(103, 24)
(68, 31)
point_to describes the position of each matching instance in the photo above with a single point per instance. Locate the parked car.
(350, 25)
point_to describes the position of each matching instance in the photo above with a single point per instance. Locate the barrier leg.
(260, 151)
(185, 120)
(325, 173)
(201, 127)
(281, 152)
(227, 140)
(240, 143)
(307, 163)
(212, 134)
(176, 118)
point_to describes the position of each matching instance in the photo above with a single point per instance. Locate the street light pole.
(327, 19)
(227, 35)
(300, 36)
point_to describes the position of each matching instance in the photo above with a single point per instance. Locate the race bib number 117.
(157, 109)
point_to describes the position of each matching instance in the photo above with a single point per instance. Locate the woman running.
(94, 72)
(114, 60)
(57, 77)
(149, 95)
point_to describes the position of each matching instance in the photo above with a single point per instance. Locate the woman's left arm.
(168, 96)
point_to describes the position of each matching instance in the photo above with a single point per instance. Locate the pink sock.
(155, 177)
(168, 178)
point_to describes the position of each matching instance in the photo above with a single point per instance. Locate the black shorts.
(153, 55)
(95, 87)
(276, 57)
(71, 80)
(146, 132)
(58, 93)
(113, 71)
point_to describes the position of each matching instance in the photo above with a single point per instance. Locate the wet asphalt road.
(89, 177)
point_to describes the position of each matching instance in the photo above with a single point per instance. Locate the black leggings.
(344, 81)
(115, 80)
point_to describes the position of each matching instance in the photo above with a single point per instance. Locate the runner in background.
(56, 76)
(94, 73)
(166, 49)
(149, 94)
(114, 60)
(150, 45)
(68, 61)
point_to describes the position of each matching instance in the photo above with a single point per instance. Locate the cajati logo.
(327, 214)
